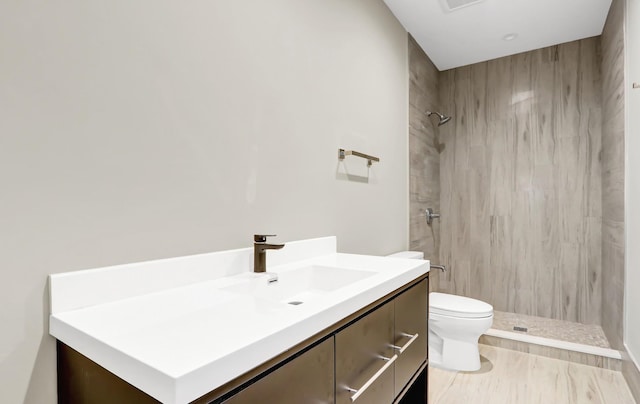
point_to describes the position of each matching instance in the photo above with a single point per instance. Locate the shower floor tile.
(587, 334)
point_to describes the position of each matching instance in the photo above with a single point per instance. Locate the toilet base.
(453, 355)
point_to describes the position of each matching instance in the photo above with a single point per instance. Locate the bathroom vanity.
(331, 328)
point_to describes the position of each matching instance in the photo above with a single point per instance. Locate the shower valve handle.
(430, 216)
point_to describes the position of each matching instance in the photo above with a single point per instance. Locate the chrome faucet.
(440, 267)
(260, 248)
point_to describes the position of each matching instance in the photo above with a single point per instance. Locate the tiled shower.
(528, 180)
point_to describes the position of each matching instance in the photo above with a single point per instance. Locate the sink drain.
(294, 303)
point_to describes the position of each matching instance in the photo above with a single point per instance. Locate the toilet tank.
(416, 255)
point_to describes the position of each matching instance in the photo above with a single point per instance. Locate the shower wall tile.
(498, 88)
(460, 278)
(613, 232)
(594, 156)
(500, 268)
(480, 224)
(571, 185)
(501, 180)
(613, 293)
(570, 260)
(424, 156)
(592, 283)
(612, 42)
(520, 182)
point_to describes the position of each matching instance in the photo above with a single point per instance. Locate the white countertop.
(178, 343)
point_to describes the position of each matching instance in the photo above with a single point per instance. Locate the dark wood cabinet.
(364, 359)
(307, 378)
(379, 356)
(410, 309)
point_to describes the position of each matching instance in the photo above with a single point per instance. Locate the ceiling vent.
(452, 5)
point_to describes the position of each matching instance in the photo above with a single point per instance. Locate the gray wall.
(520, 182)
(613, 174)
(424, 168)
(132, 131)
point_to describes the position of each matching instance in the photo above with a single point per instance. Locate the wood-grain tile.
(521, 168)
(519, 378)
(424, 157)
(612, 161)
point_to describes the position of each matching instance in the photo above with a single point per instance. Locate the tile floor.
(588, 334)
(511, 377)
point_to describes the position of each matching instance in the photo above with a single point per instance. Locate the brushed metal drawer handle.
(405, 346)
(373, 378)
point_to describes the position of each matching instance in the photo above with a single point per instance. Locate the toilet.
(455, 325)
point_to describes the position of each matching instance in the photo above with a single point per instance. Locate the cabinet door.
(307, 378)
(410, 333)
(365, 359)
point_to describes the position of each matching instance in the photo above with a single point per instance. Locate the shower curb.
(605, 358)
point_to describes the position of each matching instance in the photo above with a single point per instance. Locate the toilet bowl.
(455, 325)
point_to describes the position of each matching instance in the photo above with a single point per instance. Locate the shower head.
(443, 118)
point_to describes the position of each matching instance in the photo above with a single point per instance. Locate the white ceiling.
(474, 33)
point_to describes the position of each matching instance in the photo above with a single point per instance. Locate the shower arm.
(442, 119)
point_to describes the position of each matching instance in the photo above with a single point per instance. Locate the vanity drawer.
(410, 333)
(308, 378)
(359, 365)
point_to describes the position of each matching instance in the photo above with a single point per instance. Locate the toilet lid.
(458, 306)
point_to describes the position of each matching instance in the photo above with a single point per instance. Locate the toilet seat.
(458, 306)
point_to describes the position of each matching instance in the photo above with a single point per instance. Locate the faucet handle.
(262, 238)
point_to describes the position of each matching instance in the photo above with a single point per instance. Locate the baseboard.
(631, 373)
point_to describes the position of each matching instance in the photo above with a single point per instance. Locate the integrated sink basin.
(297, 286)
(181, 327)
